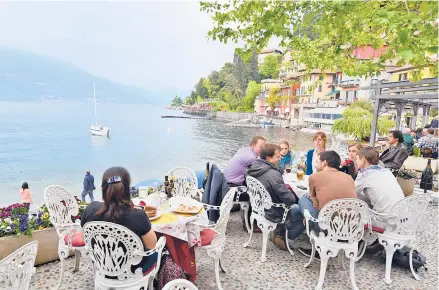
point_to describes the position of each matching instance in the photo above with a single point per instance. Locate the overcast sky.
(155, 45)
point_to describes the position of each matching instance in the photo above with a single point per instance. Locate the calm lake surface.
(50, 143)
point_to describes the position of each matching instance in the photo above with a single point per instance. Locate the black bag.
(401, 257)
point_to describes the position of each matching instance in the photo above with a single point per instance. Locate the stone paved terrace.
(280, 271)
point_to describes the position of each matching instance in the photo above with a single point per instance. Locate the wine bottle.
(427, 177)
(166, 184)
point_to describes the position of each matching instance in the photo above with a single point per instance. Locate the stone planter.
(47, 245)
(407, 185)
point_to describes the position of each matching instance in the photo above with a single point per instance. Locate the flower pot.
(407, 185)
(47, 245)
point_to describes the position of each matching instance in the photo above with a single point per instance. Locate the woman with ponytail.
(116, 208)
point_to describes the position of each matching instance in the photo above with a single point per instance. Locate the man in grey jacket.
(396, 154)
(89, 186)
(265, 171)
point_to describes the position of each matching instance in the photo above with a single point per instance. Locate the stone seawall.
(232, 116)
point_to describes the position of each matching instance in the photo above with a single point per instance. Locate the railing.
(349, 83)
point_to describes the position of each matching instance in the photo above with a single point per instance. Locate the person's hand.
(343, 163)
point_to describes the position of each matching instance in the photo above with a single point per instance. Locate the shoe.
(307, 252)
(280, 243)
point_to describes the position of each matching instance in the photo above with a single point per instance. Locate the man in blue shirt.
(89, 186)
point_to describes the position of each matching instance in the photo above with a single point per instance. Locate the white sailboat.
(96, 128)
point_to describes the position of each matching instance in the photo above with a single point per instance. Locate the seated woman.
(117, 208)
(287, 157)
(348, 166)
(319, 140)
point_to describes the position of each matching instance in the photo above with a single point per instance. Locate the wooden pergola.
(415, 95)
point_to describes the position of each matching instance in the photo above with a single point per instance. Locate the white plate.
(176, 201)
(157, 215)
(151, 200)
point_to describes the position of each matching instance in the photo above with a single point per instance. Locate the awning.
(276, 109)
(287, 110)
(333, 92)
(269, 109)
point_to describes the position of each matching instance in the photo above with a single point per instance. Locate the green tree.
(357, 121)
(253, 90)
(200, 89)
(188, 101)
(274, 98)
(270, 67)
(177, 102)
(324, 34)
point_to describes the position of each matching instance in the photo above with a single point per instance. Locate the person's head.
(430, 131)
(115, 193)
(87, 172)
(395, 137)
(353, 150)
(25, 185)
(413, 133)
(257, 143)
(436, 132)
(427, 126)
(367, 156)
(284, 147)
(319, 140)
(406, 131)
(271, 153)
(327, 160)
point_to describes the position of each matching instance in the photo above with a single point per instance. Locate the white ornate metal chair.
(260, 200)
(215, 248)
(114, 249)
(16, 270)
(62, 207)
(180, 284)
(185, 182)
(245, 205)
(341, 224)
(400, 227)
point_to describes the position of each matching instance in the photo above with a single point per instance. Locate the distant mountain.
(27, 76)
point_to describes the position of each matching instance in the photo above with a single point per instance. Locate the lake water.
(50, 143)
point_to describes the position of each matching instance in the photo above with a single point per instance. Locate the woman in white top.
(376, 185)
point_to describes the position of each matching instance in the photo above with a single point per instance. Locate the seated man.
(397, 153)
(234, 172)
(325, 185)
(265, 170)
(376, 185)
(430, 142)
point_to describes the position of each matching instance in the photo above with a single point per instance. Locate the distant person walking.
(89, 186)
(26, 194)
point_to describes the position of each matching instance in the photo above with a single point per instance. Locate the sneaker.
(307, 252)
(280, 243)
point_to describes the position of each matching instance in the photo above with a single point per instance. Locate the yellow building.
(405, 73)
(315, 87)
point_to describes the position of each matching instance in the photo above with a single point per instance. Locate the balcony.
(289, 74)
(349, 83)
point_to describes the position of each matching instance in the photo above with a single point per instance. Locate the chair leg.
(221, 267)
(61, 276)
(341, 259)
(411, 266)
(313, 252)
(217, 277)
(151, 283)
(251, 232)
(77, 260)
(390, 250)
(323, 264)
(288, 244)
(352, 272)
(246, 219)
(265, 233)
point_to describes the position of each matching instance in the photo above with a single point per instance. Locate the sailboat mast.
(94, 98)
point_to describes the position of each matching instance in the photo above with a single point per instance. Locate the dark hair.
(427, 126)
(116, 194)
(419, 130)
(430, 131)
(255, 140)
(397, 135)
(371, 154)
(331, 157)
(268, 150)
(25, 185)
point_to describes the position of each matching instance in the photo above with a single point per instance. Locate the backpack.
(168, 271)
(401, 257)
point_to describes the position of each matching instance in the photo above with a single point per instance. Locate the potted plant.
(407, 180)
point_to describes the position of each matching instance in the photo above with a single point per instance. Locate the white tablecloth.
(291, 180)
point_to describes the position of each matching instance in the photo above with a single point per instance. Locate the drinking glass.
(300, 174)
(288, 168)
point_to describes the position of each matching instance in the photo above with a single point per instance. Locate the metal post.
(376, 110)
(399, 109)
(415, 116)
(426, 116)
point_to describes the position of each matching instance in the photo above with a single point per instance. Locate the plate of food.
(184, 205)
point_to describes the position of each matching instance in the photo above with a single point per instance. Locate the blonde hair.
(358, 145)
(321, 135)
(285, 142)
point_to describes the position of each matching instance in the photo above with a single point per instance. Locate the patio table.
(291, 180)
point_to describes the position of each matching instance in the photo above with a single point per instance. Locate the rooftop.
(281, 271)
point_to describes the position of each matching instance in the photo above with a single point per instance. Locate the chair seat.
(77, 239)
(207, 235)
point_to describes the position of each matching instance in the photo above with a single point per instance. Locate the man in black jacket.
(265, 171)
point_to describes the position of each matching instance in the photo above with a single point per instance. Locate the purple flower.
(12, 226)
(39, 221)
(23, 218)
(23, 227)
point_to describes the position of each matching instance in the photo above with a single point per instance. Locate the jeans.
(293, 223)
(305, 202)
(89, 192)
